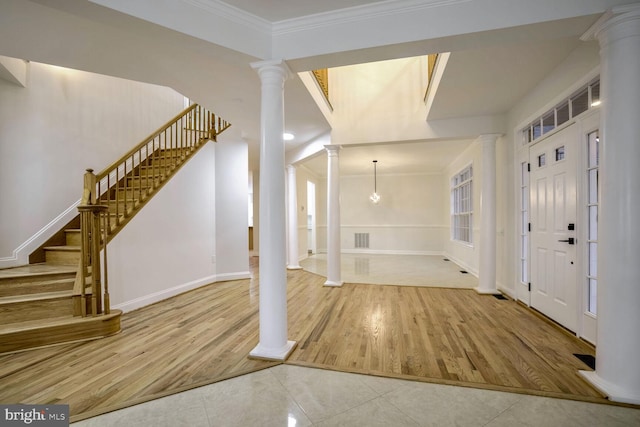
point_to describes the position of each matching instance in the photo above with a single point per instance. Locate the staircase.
(66, 297)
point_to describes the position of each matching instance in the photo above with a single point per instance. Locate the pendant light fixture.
(375, 197)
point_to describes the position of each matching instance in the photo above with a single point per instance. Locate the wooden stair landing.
(36, 309)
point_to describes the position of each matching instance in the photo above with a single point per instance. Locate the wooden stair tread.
(33, 271)
(63, 248)
(31, 334)
(30, 325)
(41, 267)
(35, 297)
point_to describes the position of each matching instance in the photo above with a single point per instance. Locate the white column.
(617, 371)
(487, 267)
(273, 343)
(292, 204)
(334, 276)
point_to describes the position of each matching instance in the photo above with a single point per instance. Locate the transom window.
(462, 205)
(580, 101)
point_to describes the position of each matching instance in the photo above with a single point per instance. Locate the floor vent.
(361, 240)
(587, 359)
(500, 296)
(446, 259)
(464, 272)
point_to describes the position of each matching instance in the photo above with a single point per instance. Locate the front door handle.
(570, 241)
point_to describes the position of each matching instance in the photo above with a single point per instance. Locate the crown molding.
(233, 14)
(616, 14)
(356, 14)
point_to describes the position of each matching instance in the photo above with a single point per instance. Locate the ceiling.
(401, 158)
(204, 48)
(280, 10)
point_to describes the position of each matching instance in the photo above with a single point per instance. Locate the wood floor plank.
(205, 335)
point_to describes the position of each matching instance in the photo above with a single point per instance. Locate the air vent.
(361, 240)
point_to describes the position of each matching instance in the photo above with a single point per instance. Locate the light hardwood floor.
(203, 336)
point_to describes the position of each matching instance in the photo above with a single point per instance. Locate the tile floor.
(407, 270)
(287, 395)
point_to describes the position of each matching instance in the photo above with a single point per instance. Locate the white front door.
(553, 196)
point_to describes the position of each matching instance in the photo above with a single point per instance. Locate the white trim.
(233, 14)
(612, 391)
(313, 86)
(279, 354)
(553, 103)
(357, 14)
(145, 300)
(438, 72)
(164, 294)
(21, 254)
(510, 293)
(331, 283)
(462, 264)
(233, 276)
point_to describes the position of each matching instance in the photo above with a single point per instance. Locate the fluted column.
(617, 371)
(487, 267)
(292, 205)
(334, 276)
(273, 343)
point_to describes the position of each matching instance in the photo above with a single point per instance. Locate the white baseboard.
(462, 264)
(508, 292)
(21, 254)
(233, 276)
(164, 294)
(176, 290)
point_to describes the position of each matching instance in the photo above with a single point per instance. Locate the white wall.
(61, 123)
(167, 247)
(231, 204)
(408, 220)
(367, 116)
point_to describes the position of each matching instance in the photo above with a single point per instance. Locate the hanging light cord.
(375, 176)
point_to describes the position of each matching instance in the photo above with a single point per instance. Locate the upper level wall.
(63, 122)
(384, 102)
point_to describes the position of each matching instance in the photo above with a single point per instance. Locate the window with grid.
(524, 222)
(592, 213)
(462, 206)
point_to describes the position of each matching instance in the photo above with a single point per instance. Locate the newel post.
(89, 191)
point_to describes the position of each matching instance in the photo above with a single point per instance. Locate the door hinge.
(529, 227)
(529, 286)
(528, 167)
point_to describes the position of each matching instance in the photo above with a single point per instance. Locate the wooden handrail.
(145, 141)
(113, 196)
